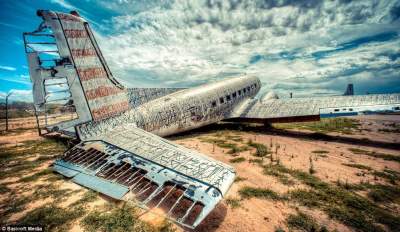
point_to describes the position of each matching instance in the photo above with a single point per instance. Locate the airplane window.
(350, 109)
(244, 90)
(239, 92)
(221, 100)
(228, 97)
(214, 103)
(396, 108)
(336, 110)
(234, 95)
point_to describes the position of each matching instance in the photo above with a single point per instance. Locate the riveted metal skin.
(292, 109)
(121, 153)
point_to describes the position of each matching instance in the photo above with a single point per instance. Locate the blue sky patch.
(379, 38)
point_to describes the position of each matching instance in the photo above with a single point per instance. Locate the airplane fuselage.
(195, 107)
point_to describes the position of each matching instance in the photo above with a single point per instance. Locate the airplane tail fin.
(64, 52)
(349, 91)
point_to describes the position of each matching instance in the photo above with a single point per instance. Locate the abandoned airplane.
(120, 152)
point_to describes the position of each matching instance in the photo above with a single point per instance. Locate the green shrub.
(326, 125)
(237, 160)
(359, 166)
(118, 219)
(261, 149)
(340, 203)
(238, 179)
(233, 202)
(320, 152)
(53, 218)
(374, 154)
(303, 222)
(249, 192)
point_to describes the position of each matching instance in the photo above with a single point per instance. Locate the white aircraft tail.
(67, 68)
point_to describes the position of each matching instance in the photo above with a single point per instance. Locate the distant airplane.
(121, 153)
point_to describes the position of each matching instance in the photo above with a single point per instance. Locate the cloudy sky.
(305, 47)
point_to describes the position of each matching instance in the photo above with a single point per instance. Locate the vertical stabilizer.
(94, 92)
(349, 91)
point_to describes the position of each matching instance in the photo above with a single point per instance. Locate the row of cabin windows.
(234, 95)
(351, 109)
(337, 110)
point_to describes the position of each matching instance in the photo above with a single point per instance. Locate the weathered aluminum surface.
(184, 110)
(141, 166)
(324, 106)
(104, 95)
(138, 96)
(163, 152)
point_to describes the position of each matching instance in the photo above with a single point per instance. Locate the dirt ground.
(30, 122)
(332, 158)
(295, 153)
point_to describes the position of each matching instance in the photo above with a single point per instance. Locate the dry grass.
(340, 125)
(27, 181)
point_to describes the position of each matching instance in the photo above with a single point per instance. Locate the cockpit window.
(234, 95)
(228, 97)
(221, 100)
(239, 92)
(248, 88)
(244, 90)
(214, 103)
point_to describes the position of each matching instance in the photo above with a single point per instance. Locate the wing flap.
(113, 190)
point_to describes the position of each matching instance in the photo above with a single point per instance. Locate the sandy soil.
(30, 122)
(267, 215)
(294, 152)
(15, 138)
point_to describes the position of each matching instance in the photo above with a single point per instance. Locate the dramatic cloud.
(302, 46)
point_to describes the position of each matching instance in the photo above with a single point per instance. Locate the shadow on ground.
(213, 220)
(268, 130)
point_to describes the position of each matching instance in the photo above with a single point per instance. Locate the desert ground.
(332, 175)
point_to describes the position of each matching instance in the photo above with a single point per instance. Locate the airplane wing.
(128, 163)
(306, 109)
